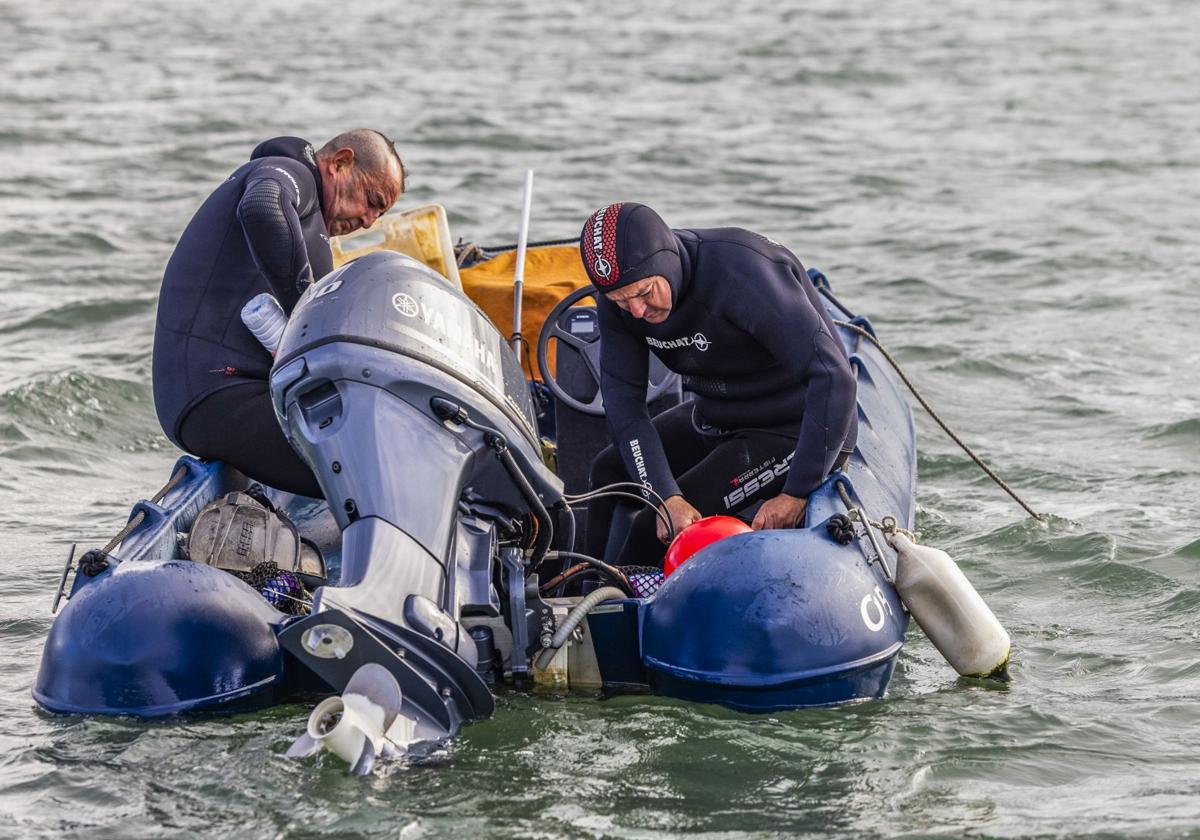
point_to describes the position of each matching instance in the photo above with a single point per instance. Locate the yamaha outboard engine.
(416, 419)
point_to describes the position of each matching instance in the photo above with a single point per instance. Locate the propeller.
(362, 725)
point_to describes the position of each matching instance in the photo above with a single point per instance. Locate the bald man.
(265, 229)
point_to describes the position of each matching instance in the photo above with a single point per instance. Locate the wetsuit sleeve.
(624, 377)
(277, 194)
(784, 319)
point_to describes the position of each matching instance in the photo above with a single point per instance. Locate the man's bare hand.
(681, 513)
(783, 511)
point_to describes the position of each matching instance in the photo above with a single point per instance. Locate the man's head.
(361, 177)
(632, 258)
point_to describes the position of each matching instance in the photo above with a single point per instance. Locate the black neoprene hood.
(623, 243)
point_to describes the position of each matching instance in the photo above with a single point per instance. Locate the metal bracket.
(857, 514)
(512, 561)
(62, 582)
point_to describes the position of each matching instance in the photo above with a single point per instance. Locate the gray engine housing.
(366, 350)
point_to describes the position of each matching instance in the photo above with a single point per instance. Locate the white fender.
(949, 610)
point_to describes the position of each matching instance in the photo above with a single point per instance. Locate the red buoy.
(701, 533)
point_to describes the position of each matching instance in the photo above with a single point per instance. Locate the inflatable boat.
(446, 556)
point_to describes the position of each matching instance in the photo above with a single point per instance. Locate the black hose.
(660, 513)
(640, 487)
(611, 572)
(610, 490)
(450, 411)
(569, 538)
(570, 525)
(545, 532)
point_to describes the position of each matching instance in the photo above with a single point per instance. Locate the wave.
(82, 318)
(1188, 430)
(45, 420)
(55, 244)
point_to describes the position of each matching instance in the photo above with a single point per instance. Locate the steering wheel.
(558, 325)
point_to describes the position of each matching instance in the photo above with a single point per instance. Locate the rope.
(468, 253)
(141, 515)
(857, 514)
(978, 461)
(500, 249)
(888, 525)
(823, 288)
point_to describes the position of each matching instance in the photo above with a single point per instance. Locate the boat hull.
(155, 638)
(773, 620)
(759, 622)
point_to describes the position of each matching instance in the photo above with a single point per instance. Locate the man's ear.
(342, 159)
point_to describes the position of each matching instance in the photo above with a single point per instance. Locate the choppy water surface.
(1010, 190)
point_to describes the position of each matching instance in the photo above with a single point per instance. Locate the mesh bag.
(645, 580)
(281, 589)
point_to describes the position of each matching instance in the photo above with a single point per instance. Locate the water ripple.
(1007, 190)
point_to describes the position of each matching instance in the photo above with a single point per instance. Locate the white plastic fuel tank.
(950, 611)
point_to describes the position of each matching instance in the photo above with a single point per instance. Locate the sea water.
(1010, 191)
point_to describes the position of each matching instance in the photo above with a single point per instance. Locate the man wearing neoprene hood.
(265, 229)
(737, 315)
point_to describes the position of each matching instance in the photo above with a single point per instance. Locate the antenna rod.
(519, 275)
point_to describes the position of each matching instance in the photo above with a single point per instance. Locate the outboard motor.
(416, 419)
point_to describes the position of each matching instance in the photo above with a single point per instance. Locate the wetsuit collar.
(680, 279)
(297, 149)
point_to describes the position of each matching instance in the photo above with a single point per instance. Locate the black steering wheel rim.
(662, 380)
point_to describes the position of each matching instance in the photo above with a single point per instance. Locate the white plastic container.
(264, 317)
(950, 611)
(420, 232)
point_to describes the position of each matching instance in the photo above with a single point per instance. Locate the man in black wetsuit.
(737, 315)
(265, 229)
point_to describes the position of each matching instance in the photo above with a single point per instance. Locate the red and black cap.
(623, 243)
